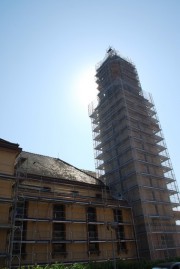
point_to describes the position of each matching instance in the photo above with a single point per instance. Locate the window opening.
(59, 212)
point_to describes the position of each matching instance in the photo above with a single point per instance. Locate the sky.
(49, 51)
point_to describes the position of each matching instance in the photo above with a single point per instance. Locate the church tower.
(131, 156)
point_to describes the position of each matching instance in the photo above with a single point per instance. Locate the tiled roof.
(40, 165)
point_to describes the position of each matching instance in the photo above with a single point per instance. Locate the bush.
(120, 264)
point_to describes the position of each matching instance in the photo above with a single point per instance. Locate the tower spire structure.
(132, 158)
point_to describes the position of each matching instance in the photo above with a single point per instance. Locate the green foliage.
(57, 266)
(120, 264)
(78, 266)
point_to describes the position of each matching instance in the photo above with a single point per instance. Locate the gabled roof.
(9, 145)
(45, 166)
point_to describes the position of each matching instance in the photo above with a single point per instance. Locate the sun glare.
(86, 88)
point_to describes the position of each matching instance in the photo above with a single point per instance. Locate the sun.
(86, 87)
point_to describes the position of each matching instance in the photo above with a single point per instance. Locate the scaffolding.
(132, 158)
(51, 219)
(5, 226)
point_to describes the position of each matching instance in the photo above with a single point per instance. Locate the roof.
(91, 173)
(111, 55)
(40, 165)
(9, 145)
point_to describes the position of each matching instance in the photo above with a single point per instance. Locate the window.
(75, 193)
(94, 248)
(59, 250)
(163, 240)
(59, 212)
(121, 247)
(120, 232)
(46, 189)
(16, 248)
(21, 208)
(19, 249)
(92, 232)
(118, 217)
(98, 195)
(91, 214)
(59, 232)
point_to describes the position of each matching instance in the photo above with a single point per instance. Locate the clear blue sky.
(49, 49)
